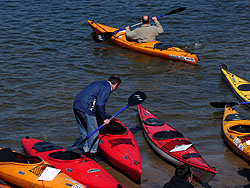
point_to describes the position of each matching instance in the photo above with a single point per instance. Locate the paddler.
(89, 105)
(146, 32)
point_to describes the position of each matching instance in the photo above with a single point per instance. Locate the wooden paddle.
(223, 104)
(136, 98)
(107, 35)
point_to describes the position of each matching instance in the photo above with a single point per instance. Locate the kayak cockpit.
(7, 155)
(114, 128)
(154, 122)
(45, 146)
(163, 135)
(240, 128)
(65, 155)
(234, 117)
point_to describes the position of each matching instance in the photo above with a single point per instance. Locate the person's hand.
(106, 121)
(127, 28)
(154, 19)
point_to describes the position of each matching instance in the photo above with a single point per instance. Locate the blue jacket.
(92, 99)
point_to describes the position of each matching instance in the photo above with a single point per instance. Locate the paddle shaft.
(169, 13)
(109, 119)
(223, 104)
(107, 35)
(243, 103)
(141, 22)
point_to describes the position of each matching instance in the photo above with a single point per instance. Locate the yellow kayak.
(26, 171)
(239, 86)
(150, 48)
(236, 128)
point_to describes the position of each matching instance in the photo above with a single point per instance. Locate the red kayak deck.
(78, 167)
(118, 145)
(173, 146)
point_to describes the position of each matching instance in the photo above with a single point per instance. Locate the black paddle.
(107, 35)
(136, 98)
(223, 104)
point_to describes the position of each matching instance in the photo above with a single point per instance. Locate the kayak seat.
(244, 87)
(240, 128)
(234, 117)
(154, 122)
(115, 128)
(163, 135)
(6, 155)
(45, 146)
(20, 158)
(162, 46)
(65, 155)
(191, 155)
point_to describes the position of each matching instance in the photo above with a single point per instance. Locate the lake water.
(47, 56)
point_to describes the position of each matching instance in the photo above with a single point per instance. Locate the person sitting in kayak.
(146, 32)
(89, 105)
(183, 177)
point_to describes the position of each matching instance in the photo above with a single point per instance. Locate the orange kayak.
(24, 171)
(119, 38)
(236, 128)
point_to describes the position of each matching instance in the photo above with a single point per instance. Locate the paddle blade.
(176, 10)
(222, 104)
(136, 98)
(102, 36)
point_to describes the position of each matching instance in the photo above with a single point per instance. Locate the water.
(48, 56)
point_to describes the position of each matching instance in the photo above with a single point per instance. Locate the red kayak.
(118, 145)
(173, 146)
(78, 167)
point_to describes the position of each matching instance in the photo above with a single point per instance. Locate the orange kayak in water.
(150, 48)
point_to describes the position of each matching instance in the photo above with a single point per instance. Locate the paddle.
(223, 104)
(107, 35)
(136, 98)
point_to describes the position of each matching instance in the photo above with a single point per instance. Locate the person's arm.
(101, 100)
(158, 25)
(131, 34)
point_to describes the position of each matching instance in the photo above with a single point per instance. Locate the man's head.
(115, 81)
(145, 19)
(184, 172)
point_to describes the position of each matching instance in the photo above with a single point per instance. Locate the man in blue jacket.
(88, 105)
